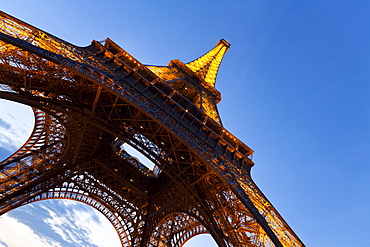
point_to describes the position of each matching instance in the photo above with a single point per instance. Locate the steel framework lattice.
(90, 102)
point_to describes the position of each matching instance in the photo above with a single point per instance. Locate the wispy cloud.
(16, 124)
(15, 233)
(2, 244)
(66, 223)
(81, 224)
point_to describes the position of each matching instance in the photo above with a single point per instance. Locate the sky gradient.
(294, 84)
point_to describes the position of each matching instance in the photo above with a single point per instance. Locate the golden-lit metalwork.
(89, 101)
(196, 80)
(207, 65)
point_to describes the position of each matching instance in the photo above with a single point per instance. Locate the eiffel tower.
(92, 103)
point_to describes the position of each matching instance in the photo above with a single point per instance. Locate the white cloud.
(82, 224)
(101, 232)
(2, 244)
(15, 233)
(16, 124)
(62, 226)
(64, 222)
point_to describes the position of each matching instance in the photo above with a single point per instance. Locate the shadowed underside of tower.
(91, 102)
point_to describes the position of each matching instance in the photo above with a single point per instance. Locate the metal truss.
(88, 102)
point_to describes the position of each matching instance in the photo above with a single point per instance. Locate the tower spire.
(206, 66)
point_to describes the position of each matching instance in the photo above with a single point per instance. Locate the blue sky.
(294, 85)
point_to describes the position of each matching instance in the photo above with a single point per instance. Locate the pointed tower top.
(206, 67)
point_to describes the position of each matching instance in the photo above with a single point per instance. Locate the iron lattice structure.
(90, 102)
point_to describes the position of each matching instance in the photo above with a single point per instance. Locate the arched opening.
(16, 125)
(181, 229)
(50, 222)
(201, 240)
(63, 222)
(57, 222)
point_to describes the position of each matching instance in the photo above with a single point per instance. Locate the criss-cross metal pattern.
(88, 102)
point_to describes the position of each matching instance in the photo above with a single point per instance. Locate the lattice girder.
(30, 166)
(123, 100)
(175, 229)
(120, 214)
(109, 159)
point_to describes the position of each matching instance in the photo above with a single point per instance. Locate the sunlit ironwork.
(89, 101)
